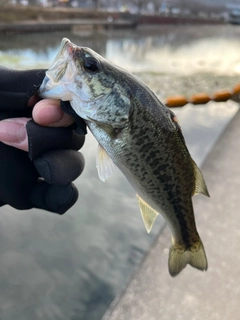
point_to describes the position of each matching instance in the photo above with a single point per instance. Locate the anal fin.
(148, 213)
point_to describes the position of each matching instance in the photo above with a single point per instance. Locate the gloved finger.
(13, 133)
(80, 123)
(2, 203)
(47, 112)
(54, 198)
(60, 166)
(25, 134)
(18, 86)
(43, 139)
(22, 189)
(18, 176)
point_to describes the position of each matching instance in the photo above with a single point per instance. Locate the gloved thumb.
(54, 198)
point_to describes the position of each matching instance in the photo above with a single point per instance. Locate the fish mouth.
(74, 52)
(65, 43)
(59, 65)
(62, 70)
(70, 49)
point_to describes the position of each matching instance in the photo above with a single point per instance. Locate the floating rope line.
(202, 98)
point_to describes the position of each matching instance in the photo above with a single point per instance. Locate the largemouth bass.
(138, 134)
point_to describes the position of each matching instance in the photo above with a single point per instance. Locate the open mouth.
(61, 71)
(66, 46)
(58, 68)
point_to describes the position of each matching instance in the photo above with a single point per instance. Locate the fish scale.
(159, 170)
(141, 136)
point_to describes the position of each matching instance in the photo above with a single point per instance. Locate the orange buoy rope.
(177, 101)
(202, 98)
(236, 89)
(222, 95)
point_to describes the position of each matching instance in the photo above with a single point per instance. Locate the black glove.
(41, 178)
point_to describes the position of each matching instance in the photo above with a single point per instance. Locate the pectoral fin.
(148, 214)
(104, 164)
(112, 132)
(200, 185)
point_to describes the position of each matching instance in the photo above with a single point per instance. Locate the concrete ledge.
(212, 295)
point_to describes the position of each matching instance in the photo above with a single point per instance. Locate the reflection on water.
(185, 49)
(72, 267)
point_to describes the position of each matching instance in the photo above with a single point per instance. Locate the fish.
(138, 134)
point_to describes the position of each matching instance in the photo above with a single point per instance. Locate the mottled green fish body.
(141, 136)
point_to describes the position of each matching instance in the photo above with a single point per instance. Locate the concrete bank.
(215, 294)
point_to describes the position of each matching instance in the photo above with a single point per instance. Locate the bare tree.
(140, 4)
(96, 4)
(157, 5)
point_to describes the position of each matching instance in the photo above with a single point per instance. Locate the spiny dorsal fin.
(104, 164)
(200, 185)
(148, 213)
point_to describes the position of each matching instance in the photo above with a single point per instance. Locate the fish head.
(86, 79)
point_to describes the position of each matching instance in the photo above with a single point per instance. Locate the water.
(72, 267)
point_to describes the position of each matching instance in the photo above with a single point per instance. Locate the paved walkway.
(193, 295)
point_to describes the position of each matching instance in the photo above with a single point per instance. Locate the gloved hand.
(42, 177)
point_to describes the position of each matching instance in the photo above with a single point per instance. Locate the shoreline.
(35, 19)
(91, 25)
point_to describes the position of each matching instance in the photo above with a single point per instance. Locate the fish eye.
(91, 64)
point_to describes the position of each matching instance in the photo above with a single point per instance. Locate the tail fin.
(179, 257)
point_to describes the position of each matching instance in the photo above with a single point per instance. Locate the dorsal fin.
(104, 164)
(148, 213)
(200, 185)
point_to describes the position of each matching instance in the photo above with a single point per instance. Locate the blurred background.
(72, 267)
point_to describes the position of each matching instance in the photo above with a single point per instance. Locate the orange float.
(177, 101)
(236, 89)
(222, 95)
(200, 98)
